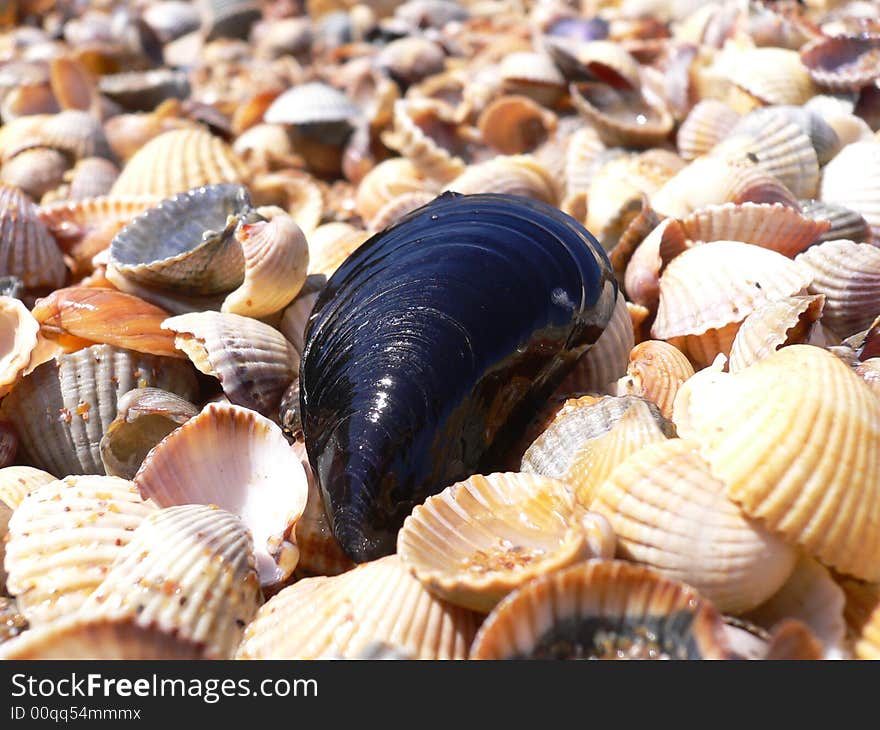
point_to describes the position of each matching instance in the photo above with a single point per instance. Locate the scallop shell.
(311, 103)
(626, 118)
(18, 340)
(378, 601)
(655, 371)
(822, 135)
(709, 122)
(177, 161)
(851, 180)
(788, 321)
(843, 62)
(848, 275)
(62, 408)
(37, 171)
(90, 178)
(862, 617)
(671, 514)
(533, 75)
(602, 609)
(234, 458)
(516, 175)
(62, 539)
(582, 153)
(16, 482)
(331, 244)
(794, 437)
(253, 361)
(385, 182)
(74, 132)
(479, 539)
(514, 124)
(843, 222)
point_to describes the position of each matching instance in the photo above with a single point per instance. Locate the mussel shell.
(432, 346)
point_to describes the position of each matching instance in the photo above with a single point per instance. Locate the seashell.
(517, 175)
(860, 613)
(91, 177)
(296, 314)
(601, 61)
(145, 90)
(514, 124)
(775, 324)
(293, 191)
(127, 133)
(811, 596)
(253, 361)
(36, 170)
(582, 155)
(707, 124)
(636, 231)
(533, 75)
(848, 275)
(177, 161)
(602, 609)
(12, 622)
(625, 118)
(27, 250)
(331, 244)
(822, 135)
(642, 274)
(186, 243)
(844, 223)
(171, 19)
(62, 408)
(869, 371)
(62, 539)
(188, 571)
(15, 484)
(378, 601)
(227, 18)
(285, 37)
(655, 371)
(146, 416)
(74, 132)
(18, 340)
(264, 146)
(397, 208)
(311, 104)
(850, 180)
(385, 182)
(843, 62)
(672, 515)
(429, 141)
(276, 257)
(708, 290)
(479, 539)
(357, 487)
(409, 60)
(761, 448)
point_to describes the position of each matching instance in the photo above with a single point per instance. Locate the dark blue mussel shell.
(433, 345)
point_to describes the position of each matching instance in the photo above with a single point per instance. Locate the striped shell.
(514, 175)
(414, 137)
(655, 371)
(27, 249)
(852, 179)
(709, 122)
(844, 223)
(843, 62)
(18, 340)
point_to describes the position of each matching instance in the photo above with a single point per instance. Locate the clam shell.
(378, 601)
(794, 437)
(596, 60)
(862, 617)
(18, 340)
(655, 371)
(423, 136)
(843, 62)
(625, 118)
(514, 124)
(636, 231)
(671, 514)
(234, 458)
(253, 361)
(12, 622)
(311, 103)
(709, 122)
(186, 242)
(844, 223)
(37, 171)
(62, 408)
(479, 539)
(516, 175)
(602, 609)
(852, 179)
(177, 161)
(74, 132)
(62, 539)
(409, 60)
(582, 153)
(385, 182)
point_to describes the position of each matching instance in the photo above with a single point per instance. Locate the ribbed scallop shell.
(533, 75)
(514, 124)
(848, 275)
(62, 539)
(671, 514)
(188, 571)
(822, 134)
(628, 119)
(852, 179)
(27, 249)
(234, 458)
(61, 409)
(767, 75)
(844, 223)
(377, 601)
(582, 153)
(655, 371)
(18, 340)
(253, 361)
(795, 438)
(74, 132)
(862, 616)
(515, 175)
(787, 321)
(479, 539)
(36, 170)
(430, 155)
(709, 122)
(331, 244)
(397, 208)
(16, 482)
(311, 103)
(603, 609)
(843, 62)
(91, 177)
(386, 181)
(177, 161)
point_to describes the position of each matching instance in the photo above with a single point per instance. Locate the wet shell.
(384, 285)
(481, 538)
(234, 458)
(18, 340)
(844, 223)
(671, 514)
(429, 141)
(253, 361)
(177, 161)
(843, 62)
(517, 175)
(515, 124)
(848, 275)
(852, 179)
(146, 416)
(36, 171)
(709, 122)
(186, 242)
(776, 324)
(385, 182)
(188, 571)
(62, 408)
(311, 103)
(628, 119)
(655, 371)
(602, 609)
(805, 460)
(62, 539)
(378, 601)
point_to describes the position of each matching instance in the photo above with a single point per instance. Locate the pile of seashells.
(178, 182)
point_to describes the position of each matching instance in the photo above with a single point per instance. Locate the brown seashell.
(515, 124)
(851, 180)
(422, 134)
(655, 371)
(642, 274)
(862, 617)
(127, 133)
(626, 118)
(707, 124)
(843, 222)
(73, 85)
(843, 62)
(36, 170)
(597, 60)
(411, 59)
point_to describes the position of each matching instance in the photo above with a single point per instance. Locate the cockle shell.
(843, 62)
(295, 316)
(331, 244)
(311, 103)
(235, 458)
(602, 609)
(18, 340)
(533, 75)
(852, 179)
(389, 179)
(36, 170)
(862, 616)
(671, 514)
(74, 132)
(655, 371)
(514, 124)
(90, 178)
(626, 118)
(709, 122)
(62, 539)
(293, 191)
(477, 540)
(377, 601)
(514, 175)
(16, 482)
(844, 223)
(582, 154)
(397, 208)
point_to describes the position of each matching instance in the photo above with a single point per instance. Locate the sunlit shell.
(596, 60)
(602, 609)
(144, 90)
(804, 459)
(177, 161)
(843, 62)
(293, 191)
(331, 244)
(16, 482)
(477, 540)
(18, 340)
(862, 616)
(709, 122)
(626, 118)
(533, 75)
(74, 132)
(516, 175)
(264, 146)
(642, 274)
(91, 177)
(311, 103)
(636, 231)
(397, 208)
(655, 371)
(127, 133)
(581, 155)
(62, 408)
(844, 223)
(852, 179)
(429, 141)
(253, 361)
(234, 458)
(408, 60)
(377, 601)
(36, 171)
(386, 181)
(514, 124)
(296, 314)
(62, 539)
(782, 322)
(848, 274)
